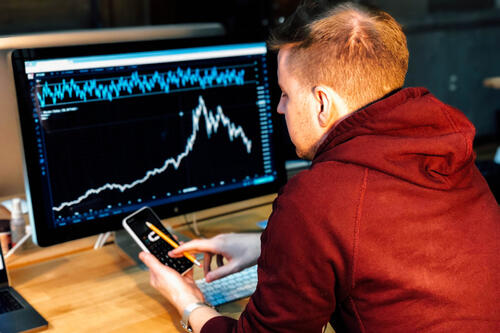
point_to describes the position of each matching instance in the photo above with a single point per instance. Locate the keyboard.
(8, 303)
(229, 288)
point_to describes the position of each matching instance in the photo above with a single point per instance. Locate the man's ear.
(331, 107)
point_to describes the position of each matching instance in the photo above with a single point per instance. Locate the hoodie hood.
(409, 125)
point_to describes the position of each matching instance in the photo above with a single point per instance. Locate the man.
(392, 229)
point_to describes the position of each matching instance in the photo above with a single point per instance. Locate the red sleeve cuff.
(219, 324)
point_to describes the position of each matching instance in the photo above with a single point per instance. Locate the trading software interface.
(117, 132)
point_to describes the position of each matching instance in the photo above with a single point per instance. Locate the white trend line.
(212, 124)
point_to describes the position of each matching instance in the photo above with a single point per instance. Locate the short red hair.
(358, 51)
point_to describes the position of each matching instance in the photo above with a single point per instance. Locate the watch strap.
(187, 312)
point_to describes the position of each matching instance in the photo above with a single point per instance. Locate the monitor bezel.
(43, 234)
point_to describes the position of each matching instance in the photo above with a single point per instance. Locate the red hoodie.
(392, 229)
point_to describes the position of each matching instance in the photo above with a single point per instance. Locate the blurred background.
(454, 44)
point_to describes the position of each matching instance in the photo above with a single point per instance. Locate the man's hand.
(240, 251)
(177, 289)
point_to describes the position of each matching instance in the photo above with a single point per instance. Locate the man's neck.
(338, 121)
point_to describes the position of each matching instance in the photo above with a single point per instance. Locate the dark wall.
(454, 45)
(453, 63)
(21, 16)
(245, 18)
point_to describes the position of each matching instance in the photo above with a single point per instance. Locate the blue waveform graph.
(212, 121)
(135, 84)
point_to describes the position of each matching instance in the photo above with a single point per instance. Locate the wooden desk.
(104, 290)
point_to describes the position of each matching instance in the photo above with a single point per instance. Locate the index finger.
(196, 246)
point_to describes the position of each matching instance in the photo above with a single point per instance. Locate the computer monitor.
(11, 168)
(177, 125)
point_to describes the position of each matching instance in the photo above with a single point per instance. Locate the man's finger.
(207, 260)
(220, 272)
(196, 246)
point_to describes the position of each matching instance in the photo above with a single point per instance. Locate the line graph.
(108, 89)
(212, 123)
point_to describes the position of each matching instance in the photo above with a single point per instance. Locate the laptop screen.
(3, 271)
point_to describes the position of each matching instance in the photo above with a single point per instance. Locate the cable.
(98, 242)
(105, 238)
(101, 240)
(193, 226)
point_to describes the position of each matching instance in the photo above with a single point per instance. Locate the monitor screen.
(108, 129)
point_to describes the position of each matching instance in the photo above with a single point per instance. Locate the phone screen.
(149, 241)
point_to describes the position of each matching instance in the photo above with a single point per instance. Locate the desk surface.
(92, 290)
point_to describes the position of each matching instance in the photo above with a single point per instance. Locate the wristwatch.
(187, 312)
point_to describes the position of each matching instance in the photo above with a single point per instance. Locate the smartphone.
(149, 241)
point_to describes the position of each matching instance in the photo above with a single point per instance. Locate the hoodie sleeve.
(296, 289)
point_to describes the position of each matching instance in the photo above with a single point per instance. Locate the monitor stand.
(129, 246)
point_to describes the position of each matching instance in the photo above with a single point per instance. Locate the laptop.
(16, 315)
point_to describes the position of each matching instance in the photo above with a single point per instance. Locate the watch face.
(186, 327)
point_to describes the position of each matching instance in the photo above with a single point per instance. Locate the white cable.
(195, 226)
(101, 240)
(21, 242)
(98, 242)
(105, 238)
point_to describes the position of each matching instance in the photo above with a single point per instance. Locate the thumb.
(150, 260)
